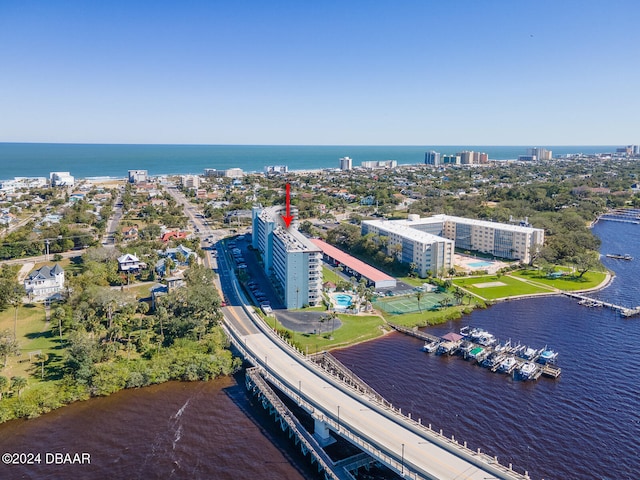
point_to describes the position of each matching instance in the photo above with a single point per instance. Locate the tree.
(8, 346)
(57, 316)
(4, 382)
(14, 298)
(419, 296)
(585, 262)
(458, 295)
(42, 358)
(412, 269)
(18, 383)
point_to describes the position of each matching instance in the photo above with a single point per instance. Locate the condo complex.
(429, 242)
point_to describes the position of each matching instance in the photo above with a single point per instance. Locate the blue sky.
(461, 72)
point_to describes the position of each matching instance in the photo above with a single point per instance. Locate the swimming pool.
(342, 300)
(480, 264)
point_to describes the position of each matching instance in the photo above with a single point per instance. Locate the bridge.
(382, 432)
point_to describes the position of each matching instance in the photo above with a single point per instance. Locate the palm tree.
(458, 295)
(42, 357)
(15, 294)
(412, 269)
(18, 383)
(418, 298)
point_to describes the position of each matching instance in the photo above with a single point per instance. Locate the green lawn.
(511, 287)
(31, 335)
(354, 329)
(427, 317)
(413, 281)
(329, 275)
(588, 280)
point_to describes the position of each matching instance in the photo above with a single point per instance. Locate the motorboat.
(527, 370)
(548, 356)
(430, 347)
(507, 365)
(479, 336)
(529, 353)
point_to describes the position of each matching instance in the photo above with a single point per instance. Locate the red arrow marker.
(287, 218)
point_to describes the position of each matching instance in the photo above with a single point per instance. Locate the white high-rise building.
(138, 176)
(540, 153)
(61, 179)
(346, 163)
(379, 164)
(191, 181)
(289, 258)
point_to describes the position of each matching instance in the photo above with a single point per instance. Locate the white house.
(45, 282)
(129, 263)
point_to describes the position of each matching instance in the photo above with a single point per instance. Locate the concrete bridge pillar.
(322, 433)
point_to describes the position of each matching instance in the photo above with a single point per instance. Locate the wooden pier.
(591, 302)
(414, 332)
(550, 371)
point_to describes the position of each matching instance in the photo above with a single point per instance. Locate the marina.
(478, 346)
(622, 215)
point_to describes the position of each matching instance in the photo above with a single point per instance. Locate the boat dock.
(591, 302)
(414, 332)
(622, 215)
(480, 347)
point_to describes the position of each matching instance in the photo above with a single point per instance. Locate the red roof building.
(358, 267)
(174, 234)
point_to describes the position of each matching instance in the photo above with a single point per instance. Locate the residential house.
(130, 233)
(45, 283)
(129, 263)
(173, 234)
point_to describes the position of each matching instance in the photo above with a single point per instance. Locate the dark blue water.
(620, 238)
(585, 425)
(38, 159)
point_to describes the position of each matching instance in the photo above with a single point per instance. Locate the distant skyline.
(328, 73)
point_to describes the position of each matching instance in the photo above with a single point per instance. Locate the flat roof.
(353, 263)
(404, 228)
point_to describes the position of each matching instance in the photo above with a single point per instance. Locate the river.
(584, 425)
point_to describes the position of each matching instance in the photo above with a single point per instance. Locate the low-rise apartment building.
(422, 239)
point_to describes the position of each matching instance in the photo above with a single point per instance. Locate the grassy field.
(511, 287)
(424, 318)
(329, 275)
(587, 281)
(32, 335)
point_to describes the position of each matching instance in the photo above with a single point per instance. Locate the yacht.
(479, 336)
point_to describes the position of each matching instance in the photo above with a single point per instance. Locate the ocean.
(93, 160)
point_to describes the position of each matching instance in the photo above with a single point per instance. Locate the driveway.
(306, 321)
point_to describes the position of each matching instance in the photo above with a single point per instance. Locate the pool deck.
(466, 263)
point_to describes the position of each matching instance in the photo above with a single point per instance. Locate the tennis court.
(409, 304)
